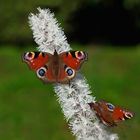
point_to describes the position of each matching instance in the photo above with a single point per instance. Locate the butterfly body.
(109, 114)
(56, 68)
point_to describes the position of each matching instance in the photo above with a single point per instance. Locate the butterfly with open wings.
(56, 68)
(109, 114)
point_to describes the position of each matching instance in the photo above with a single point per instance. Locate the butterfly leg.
(69, 83)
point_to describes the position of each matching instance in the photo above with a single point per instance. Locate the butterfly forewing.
(121, 114)
(35, 60)
(74, 59)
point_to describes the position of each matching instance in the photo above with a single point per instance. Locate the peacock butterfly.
(109, 114)
(56, 68)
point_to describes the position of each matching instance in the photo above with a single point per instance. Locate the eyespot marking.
(41, 72)
(28, 56)
(110, 107)
(80, 55)
(70, 72)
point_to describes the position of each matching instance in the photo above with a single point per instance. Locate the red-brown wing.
(40, 62)
(46, 73)
(74, 59)
(35, 60)
(120, 114)
(103, 113)
(65, 73)
(49, 76)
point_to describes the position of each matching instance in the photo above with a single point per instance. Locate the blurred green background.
(108, 30)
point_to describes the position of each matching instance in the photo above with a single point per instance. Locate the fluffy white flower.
(47, 33)
(72, 97)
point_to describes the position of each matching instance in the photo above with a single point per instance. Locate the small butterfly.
(110, 114)
(56, 68)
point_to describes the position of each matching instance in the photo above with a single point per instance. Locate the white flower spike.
(73, 97)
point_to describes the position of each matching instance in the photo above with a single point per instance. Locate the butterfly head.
(55, 53)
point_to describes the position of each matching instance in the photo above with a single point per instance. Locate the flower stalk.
(75, 96)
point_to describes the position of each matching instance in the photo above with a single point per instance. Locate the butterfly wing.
(65, 73)
(74, 59)
(102, 112)
(35, 60)
(45, 73)
(120, 114)
(105, 114)
(40, 62)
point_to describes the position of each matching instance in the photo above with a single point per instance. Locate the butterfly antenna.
(69, 83)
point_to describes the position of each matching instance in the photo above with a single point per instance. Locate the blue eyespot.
(41, 72)
(69, 72)
(110, 106)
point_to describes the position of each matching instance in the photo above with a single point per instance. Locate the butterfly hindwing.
(102, 113)
(45, 74)
(66, 73)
